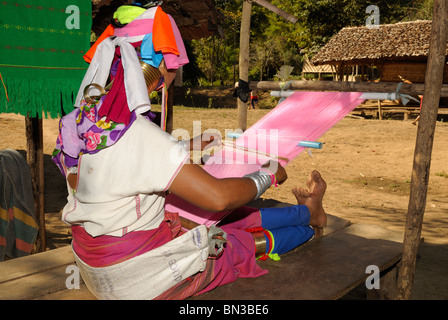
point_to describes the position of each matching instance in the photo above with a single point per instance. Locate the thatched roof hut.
(399, 51)
(404, 41)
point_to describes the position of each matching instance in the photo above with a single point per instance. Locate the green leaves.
(275, 42)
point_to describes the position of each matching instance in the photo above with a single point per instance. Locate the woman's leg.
(273, 218)
(285, 239)
(238, 258)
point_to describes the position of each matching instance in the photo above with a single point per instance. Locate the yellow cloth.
(125, 14)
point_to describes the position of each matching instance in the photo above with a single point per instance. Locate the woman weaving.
(119, 166)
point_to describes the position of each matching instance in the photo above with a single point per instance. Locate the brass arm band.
(262, 181)
(152, 75)
(260, 243)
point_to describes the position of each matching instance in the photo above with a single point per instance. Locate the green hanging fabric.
(42, 44)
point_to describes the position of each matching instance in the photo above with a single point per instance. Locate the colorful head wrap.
(131, 57)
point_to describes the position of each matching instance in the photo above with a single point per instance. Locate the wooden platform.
(325, 268)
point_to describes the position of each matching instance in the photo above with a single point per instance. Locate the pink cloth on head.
(135, 28)
(144, 26)
(173, 61)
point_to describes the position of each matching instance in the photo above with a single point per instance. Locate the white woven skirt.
(148, 275)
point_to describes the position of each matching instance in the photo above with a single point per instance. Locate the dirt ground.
(367, 165)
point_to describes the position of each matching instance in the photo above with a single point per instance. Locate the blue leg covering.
(273, 218)
(288, 238)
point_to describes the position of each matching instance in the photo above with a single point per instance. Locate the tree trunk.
(35, 159)
(423, 148)
(244, 60)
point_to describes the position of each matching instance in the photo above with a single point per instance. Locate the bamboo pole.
(423, 148)
(35, 159)
(169, 109)
(244, 60)
(380, 111)
(276, 10)
(347, 86)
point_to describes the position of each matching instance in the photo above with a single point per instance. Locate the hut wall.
(414, 72)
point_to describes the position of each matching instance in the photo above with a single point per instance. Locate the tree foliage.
(275, 42)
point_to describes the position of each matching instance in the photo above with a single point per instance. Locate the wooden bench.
(325, 268)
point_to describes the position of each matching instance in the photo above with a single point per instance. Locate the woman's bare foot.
(312, 198)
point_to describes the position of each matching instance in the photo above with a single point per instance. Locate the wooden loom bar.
(276, 10)
(423, 148)
(346, 86)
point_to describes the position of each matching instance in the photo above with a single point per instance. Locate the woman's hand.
(203, 142)
(277, 169)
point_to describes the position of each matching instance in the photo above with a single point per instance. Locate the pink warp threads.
(302, 116)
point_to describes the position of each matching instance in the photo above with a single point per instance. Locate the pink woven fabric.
(302, 116)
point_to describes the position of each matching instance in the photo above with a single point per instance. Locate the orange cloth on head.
(106, 34)
(162, 34)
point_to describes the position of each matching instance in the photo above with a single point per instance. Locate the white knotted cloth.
(134, 81)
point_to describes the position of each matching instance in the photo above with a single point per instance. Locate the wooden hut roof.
(195, 18)
(404, 41)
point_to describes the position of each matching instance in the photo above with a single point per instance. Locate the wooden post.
(380, 112)
(35, 159)
(178, 79)
(406, 115)
(341, 72)
(244, 60)
(169, 109)
(423, 148)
